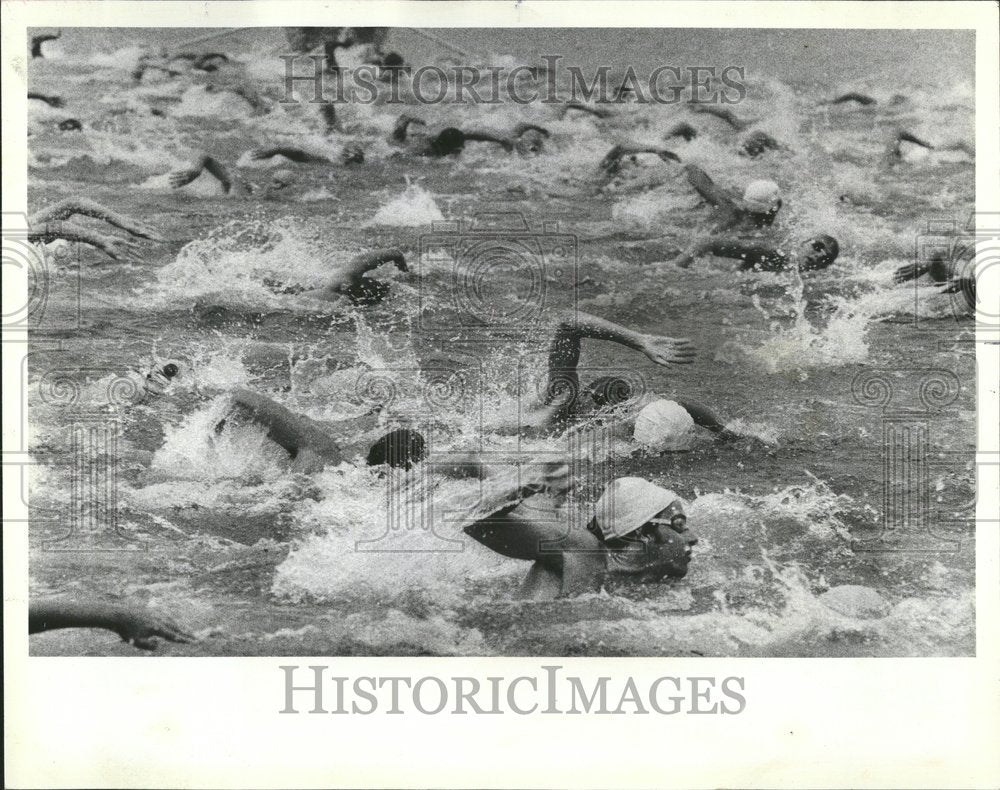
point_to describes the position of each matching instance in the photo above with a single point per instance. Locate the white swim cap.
(762, 195)
(664, 425)
(627, 503)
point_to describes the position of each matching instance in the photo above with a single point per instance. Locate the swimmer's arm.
(52, 101)
(70, 207)
(402, 126)
(749, 253)
(596, 111)
(482, 136)
(132, 623)
(722, 113)
(357, 267)
(289, 152)
(612, 159)
(204, 163)
(709, 191)
(860, 98)
(523, 128)
(114, 247)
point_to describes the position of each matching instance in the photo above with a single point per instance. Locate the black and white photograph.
(541, 342)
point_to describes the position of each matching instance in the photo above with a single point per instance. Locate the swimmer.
(681, 129)
(37, 41)
(306, 39)
(350, 154)
(895, 151)
(51, 224)
(951, 271)
(638, 530)
(312, 445)
(813, 254)
(135, 624)
(237, 185)
(757, 143)
(52, 101)
(450, 141)
(758, 207)
(597, 112)
(611, 164)
(561, 396)
(70, 125)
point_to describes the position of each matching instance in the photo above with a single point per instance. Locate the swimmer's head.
(763, 197)
(171, 369)
(644, 528)
(352, 155)
(818, 253)
(609, 391)
(399, 448)
(448, 141)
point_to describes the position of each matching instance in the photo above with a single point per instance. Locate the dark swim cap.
(831, 245)
(170, 370)
(610, 390)
(448, 141)
(399, 448)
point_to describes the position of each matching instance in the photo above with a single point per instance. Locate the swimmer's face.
(660, 547)
(816, 253)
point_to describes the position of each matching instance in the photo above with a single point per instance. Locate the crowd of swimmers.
(637, 528)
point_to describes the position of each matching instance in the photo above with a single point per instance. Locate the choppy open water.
(257, 560)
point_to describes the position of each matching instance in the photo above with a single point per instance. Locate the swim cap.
(663, 425)
(627, 503)
(762, 195)
(401, 447)
(448, 141)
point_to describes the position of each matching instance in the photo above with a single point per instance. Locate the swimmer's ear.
(307, 461)
(541, 584)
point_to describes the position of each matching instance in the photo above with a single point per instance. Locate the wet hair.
(448, 141)
(402, 447)
(609, 390)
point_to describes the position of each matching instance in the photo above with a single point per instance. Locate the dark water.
(257, 560)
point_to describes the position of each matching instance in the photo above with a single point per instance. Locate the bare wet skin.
(259, 560)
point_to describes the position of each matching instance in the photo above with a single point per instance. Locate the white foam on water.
(413, 208)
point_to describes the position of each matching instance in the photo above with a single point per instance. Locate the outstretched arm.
(204, 163)
(860, 98)
(611, 163)
(681, 129)
(351, 274)
(305, 440)
(37, 41)
(113, 246)
(485, 136)
(52, 101)
(894, 150)
(292, 152)
(722, 113)
(132, 623)
(595, 111)
(709, 191)
(751, 254)
(573, 327)
(70, 207)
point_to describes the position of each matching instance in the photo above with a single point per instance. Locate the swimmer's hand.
(118, 249)
(910, 271)
(667, 155)
(142, 628)
(668, 350)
